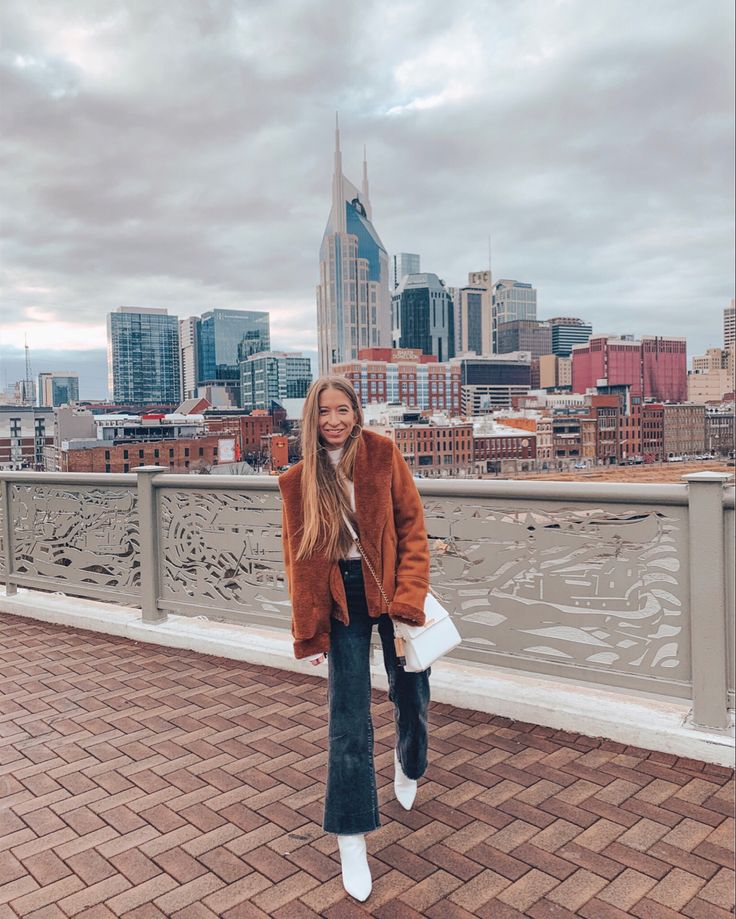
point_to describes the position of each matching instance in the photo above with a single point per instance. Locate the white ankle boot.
(405, 788)
(356, 875)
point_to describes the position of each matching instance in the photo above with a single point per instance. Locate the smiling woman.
(351, 475)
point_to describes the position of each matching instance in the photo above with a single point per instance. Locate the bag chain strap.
(398, 640)
(370, 568)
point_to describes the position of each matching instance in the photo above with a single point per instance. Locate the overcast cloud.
(179, 154)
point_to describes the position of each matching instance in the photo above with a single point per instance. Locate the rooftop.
(142, 781)
(581, 734)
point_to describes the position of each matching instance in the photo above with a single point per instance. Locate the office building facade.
(143, 356)
(654, 368)
(406, 376)
(555, 372)
(511, 300)
(58, 388)
(225, 338)
(473, 318)
(490, 384)
(402, 264)
(273, 375)
(422, 316)
(729, 326)
(525, 335)
(566, 332)
(353, 299)
(188, 360)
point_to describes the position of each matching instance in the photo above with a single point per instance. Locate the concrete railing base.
(641, 721)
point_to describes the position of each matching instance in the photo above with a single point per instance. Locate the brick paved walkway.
(144, 782)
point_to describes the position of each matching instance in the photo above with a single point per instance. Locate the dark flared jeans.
(351, 802)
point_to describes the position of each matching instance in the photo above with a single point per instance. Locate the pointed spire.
(339, 224)
(365, 194)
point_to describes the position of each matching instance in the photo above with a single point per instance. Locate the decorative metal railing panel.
(220, 554)
(591, 583)
(602, 588)
(81, 540)
(729, 519)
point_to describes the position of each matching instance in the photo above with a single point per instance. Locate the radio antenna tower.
(28, 382)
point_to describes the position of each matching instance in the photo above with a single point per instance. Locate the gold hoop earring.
(354, 436)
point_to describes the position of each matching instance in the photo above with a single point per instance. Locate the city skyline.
(602, 201)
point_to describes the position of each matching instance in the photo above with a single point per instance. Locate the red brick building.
(431, 449)
(654, 368)
(181, 455)
(493, 449)
(404, 375)
(249, 430)
(652, 432)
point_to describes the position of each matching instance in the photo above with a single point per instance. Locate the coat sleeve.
(317, 623)
(412, 551)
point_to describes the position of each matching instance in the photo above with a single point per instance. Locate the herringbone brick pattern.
(145, 782)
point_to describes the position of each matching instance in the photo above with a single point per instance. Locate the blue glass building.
(143, 356)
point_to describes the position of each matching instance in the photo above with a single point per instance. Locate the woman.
(349, 473)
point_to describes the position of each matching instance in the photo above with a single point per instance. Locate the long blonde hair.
(324, 498)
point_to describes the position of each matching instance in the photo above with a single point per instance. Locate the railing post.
(708, 599)
(5, 491)
(148, 517)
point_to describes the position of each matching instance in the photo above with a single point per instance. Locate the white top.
(334, 456)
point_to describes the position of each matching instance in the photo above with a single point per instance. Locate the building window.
(126, 467)
(125, 456)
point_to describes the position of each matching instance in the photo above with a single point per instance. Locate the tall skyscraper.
(473, 317)
(729, 326)
(270, 375)
(422, 316)
(512, 300)
(353, 300)
(566, 332)
(58, 388)
(188, 356)
(402, 264)
(143, 356)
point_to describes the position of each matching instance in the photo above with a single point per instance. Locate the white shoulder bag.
(417, 646)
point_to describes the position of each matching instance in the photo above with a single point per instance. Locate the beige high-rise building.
(555, 372)
(713, 375)
(188, 356)
(729, 326)
(353, 299)
(473, 320)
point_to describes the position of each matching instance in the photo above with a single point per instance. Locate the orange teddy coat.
(392, 532)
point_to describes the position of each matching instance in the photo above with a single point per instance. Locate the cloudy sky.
(179, 155)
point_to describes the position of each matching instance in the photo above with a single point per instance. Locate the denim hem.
(353, 829)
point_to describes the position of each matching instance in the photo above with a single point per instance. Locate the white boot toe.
(405, 788)
(356, 875)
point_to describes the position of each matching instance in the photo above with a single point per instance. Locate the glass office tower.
(219, 337)
(143, 356)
